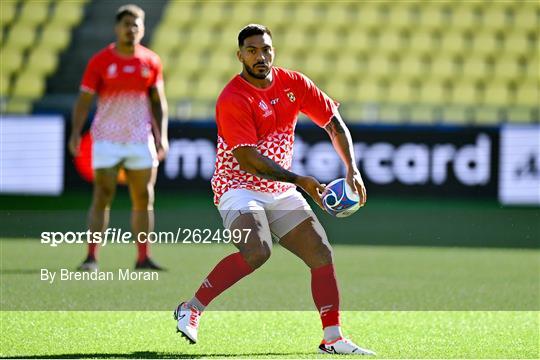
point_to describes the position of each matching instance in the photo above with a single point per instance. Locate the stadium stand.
(421, 61)
(33, 35)
(385, 61)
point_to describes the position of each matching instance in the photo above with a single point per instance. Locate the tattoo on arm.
(334, 127)
(268, 169)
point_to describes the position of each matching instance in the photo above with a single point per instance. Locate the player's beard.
(257, 75)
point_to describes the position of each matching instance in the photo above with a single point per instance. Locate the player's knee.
(103, 196)
(256, 256)
(142, 200)
(322, 251)
(326, 253)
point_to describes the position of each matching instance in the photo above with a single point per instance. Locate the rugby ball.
(339, 199)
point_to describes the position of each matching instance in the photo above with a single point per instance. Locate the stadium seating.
(432, 60)
(33, 35)
(423, 61)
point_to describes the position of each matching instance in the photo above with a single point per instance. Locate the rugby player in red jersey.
(129, 129)
(256, 114)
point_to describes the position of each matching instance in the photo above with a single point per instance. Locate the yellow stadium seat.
(422, 114)
(309, 14)
(390, 114)
(517, 43)
(349, 67)
(465, 17)
(202, 110)
(7, 11)
(434, 93)
(475, 68)
(179, 13)
(341, 91)
(276, 14)
(224, 64)
(401, 16)
(200, 39)
(33, 13)
(20, 37)
(165, 40)
(413, 67)
(444, 67)
(496, 17)
(370, 91)
(497, 93)
(465, 93)
(454, 43)
(391, 41)
(245, 13)
(533, 67)
(67, 13)
(509, 68)
(339, 13)
(208, 88)
(358, 41)
(369, 15)
(382, 66)
(187, 63)
(11, 61)
(486, 43)
(213, 13)
(401, 92)
(178, 87)
(520, 115)
(486, 115)
(55, 37)
(330, 40)
(455, 115)
(4, 85)
(317, 66)
(42, 61)
(433, 17)
(528, 93)
(295, 39)
(287, 60)
(18, 106)
(526, 19)
(422, 42)
(28, 86)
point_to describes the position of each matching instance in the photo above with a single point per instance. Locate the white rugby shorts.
(283, 211)
(132, 156)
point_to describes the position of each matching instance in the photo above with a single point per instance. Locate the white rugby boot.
(342, 346)
(187, 321)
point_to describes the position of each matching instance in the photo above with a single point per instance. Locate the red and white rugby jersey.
(122, 84)
(265, 119)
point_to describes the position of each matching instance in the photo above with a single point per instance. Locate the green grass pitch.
(469, 288)
(267, 330)
(489, 335)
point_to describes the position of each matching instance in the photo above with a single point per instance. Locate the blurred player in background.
(256, 114)
(129, 129)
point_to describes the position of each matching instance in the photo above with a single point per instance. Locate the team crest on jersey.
(145, 72)
(265, 108)
(291, 96)
(112, 70)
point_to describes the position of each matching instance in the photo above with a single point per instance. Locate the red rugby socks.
(325, 292)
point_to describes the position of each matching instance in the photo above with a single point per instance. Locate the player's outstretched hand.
(354, 179)
(74, 144)
(313, 187)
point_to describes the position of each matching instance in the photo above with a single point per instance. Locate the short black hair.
(250, 30)
(131, 10)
